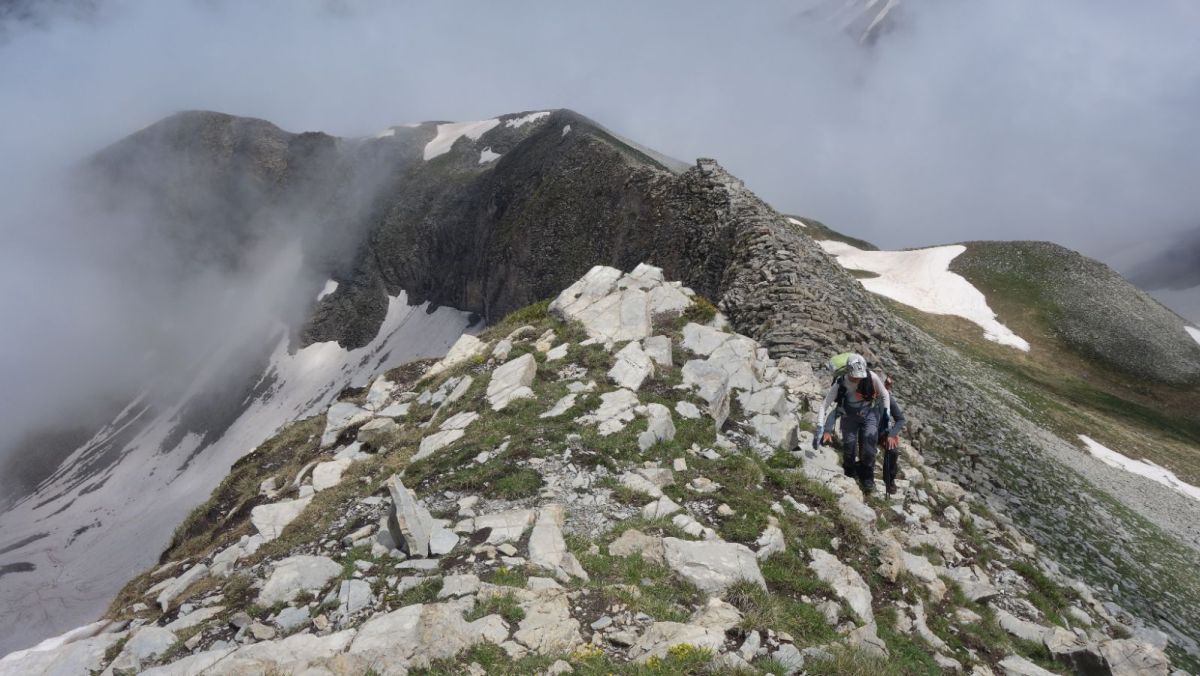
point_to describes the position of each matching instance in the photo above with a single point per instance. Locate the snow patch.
(330, 287)
(1144, 468)
(922, 279)
(486, 155)
(1193, 332)
(797, 221)
(448, 133)
(518, 122)
(386, 133)
(56, 642)
(566, 130)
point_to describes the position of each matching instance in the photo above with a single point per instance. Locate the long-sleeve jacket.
(853, 401)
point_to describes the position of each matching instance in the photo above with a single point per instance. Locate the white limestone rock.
(463, 349)
(409, 523)
(658, 348)
(615, 411)
(548, 549)
(560, 407)
(511, 381)
(712, 566)
(778, 432)
(846, 582)
(271, 519)
(297, 574)
(660, 508)
(376, 431)
(632, 367)
(329, 474)
(659, 426)
(702, 340)
(662, 636)
(178, 585)
(506, 526)
(712, 385)
(340, 417)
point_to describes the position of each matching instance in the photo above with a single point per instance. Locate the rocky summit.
(611, 481)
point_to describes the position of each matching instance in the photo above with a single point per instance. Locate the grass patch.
(762, 610)
(1048, 596)
(505, 605)
(848, 661)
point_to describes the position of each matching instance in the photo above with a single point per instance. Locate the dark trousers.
(860, 438)
(891, 458)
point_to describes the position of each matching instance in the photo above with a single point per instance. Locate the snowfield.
(1193, 332)
(91, 525)
(796, 221)
(448, 133)
(330, 287)
(486, 155)
(518, 122)
(1144, 468)
(921, 278)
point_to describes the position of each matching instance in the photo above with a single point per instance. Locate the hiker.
(892, 420)
(857, 393)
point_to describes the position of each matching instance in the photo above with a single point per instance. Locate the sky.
(1076, 121)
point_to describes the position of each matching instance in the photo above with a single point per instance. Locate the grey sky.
(1074, 120)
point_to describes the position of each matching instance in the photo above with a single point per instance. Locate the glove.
(817, 440)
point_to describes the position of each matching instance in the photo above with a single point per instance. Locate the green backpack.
(838, 364)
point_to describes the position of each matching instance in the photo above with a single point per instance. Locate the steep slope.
(444, 221)
(608, 488)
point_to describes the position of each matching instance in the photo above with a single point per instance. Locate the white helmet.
(857, 366)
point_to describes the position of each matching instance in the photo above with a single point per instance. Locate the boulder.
(561, 406)
(1014, 665)
(291, 618)
(409, 523)
(659, 426)
(712, 385)
(376, 431)
(660, 508)
(1022, 629)
(340, 417)
(463, 349)
(511, 381)
(459, 585)
(436, 442)
(144, 645)
(632, 367)
(615, 411)
(662, 636)
(297, 574)
(712, 566)
(687, 410)
(548, 550)
(703, 340)
(548, 627)
(329, 474)
(196, 617)
(658, 348)
(770, 401)
(353, 596)
(506, 526)
(283, 656)
(442, 541)
(634, 541)
(846, 582)
(778, 432)
(716, 614)
(271, 519)
(178, 585)
(1126, 657)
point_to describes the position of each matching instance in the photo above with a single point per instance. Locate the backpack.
(866, 387)
(838, 364)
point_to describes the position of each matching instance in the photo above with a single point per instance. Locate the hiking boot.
(850, 470)
(868, 487)
(889, 488)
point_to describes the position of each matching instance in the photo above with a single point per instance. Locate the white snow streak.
(796, 221)
(55, 642)
(386, 133)
(448, 133)
(330, 287)
(922, 279)
(1193, 332)
(566, 130)
(518, 122)
(486, 155)
(1144, 468)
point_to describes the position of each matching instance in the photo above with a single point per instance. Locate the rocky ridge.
(610, 480)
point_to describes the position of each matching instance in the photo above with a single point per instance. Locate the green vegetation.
(762, 610)
(504, 605)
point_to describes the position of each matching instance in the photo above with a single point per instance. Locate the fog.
(1075, 121)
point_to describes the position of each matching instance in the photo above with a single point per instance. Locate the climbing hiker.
(857, 393)
(891, 420)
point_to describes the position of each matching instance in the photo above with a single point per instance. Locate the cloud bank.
(1074, 121)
